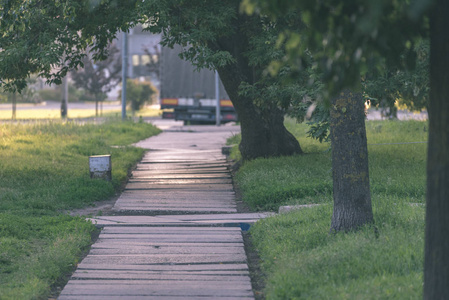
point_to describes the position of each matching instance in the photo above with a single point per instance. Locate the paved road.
(373, 114)
(175, 233)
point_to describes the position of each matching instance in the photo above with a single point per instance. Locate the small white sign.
(100, 166)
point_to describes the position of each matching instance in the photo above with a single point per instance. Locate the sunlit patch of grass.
(41, 113)
(32, 114)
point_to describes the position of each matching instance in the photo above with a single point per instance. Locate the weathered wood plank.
(145, 203)
(152, 288)
(113, 297)
(180, 181)
(191, 186)
(173, 238)
(151, 243)
(182, 175)
(180, 210)
(136, 275)
(156, 250)
(164, 259)
(163, 230)
(168, 268)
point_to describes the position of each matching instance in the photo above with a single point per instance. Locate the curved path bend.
(175, 232)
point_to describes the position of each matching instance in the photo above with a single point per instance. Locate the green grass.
(299, 257)
(55, 114)
(44, 171)
(394, 169)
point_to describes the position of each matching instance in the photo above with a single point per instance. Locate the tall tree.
(37, 35)
(217, 36)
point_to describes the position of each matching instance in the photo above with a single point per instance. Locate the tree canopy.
(49, 38)
(345, 37)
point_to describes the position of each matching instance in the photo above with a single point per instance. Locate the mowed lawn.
(40, 114)
(298, 255)
(44, 172)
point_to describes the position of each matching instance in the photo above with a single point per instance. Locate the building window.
(136, 60)
(145, 59)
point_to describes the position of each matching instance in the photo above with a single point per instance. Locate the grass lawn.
(27, 114)
(299, 257)
(43, 172)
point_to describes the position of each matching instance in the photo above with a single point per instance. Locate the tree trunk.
(436, 262)
(352, 198)
(96, 105)
(263, 131)
(262, 128)
(14, 105)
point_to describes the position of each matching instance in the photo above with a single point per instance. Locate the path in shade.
(176, 233)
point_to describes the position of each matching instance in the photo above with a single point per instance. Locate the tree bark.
(351, 190)
(96, 105)
(262, 128)
(436, 262)
(263, 131)
(14, 106)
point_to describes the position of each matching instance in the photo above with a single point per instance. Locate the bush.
(139, 93)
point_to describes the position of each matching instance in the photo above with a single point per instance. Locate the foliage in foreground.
(43, 172)
(302, 260)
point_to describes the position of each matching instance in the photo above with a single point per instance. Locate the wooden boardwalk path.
(184, 240)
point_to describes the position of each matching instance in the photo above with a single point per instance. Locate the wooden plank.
(128, 297)
(136, 208)
(178, 169)
(121, 249)
(180, 181)
(156, 288)
(100, 272)
(173, 219)
(149, 205)
(190, 186)
(165, 230)
(175, 175)
(180, 206)
(164, 259)
(136, 275)
(151, 243)
(195, 268)
(174, 238)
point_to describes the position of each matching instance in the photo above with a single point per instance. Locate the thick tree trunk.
(436, 263)
(262, 128)
(352, 198)
(263, 131)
